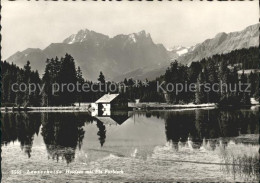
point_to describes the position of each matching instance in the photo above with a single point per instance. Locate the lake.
(213, 145)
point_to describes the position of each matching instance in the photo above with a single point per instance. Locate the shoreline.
(151, 105)
(51, 108)
(131, 106)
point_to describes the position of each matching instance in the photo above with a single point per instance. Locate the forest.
(218, 68)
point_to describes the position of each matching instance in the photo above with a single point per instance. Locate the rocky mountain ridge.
(134, 55)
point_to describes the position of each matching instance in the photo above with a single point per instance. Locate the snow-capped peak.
(182, 51)
(132, 38)
(169, 49)
(72, 38)
(135, 36)
(179, 50)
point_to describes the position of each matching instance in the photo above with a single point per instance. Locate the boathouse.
(112, 102)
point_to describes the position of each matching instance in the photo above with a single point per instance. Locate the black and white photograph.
(129, 91)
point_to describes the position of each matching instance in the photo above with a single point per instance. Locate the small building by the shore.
(112, 102)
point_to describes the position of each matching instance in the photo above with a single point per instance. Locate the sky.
(32, 24)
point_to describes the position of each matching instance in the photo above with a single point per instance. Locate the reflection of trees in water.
(101, 132)
(206, 124)
(62, 133)
(21, 127)
(233, 123)
(8, 128)
(148, 114)
(179, 127)
(209, 124)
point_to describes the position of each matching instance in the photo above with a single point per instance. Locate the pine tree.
(35, 99)
(200, 96)
(102, 82)
(253, 80)
(245, 98)
(233, 80)
(223, 78)
(28, 96)
(125, 82)
(68, 77)
(19, 95)
(171, 76)
(79, 75)
(80, 80)
(6, 86)
(46, 80)
(27, 71)
(101, 78)
(212, 78)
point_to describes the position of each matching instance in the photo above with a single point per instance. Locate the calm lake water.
(183, 145)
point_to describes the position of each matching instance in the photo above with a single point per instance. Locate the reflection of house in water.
(120, 117)
(115, 117)
(111, 117)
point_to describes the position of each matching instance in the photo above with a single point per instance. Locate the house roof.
(107, 98)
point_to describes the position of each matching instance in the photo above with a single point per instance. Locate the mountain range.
(223, 43)
(131, 56)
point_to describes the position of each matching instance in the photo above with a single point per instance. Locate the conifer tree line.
(63, 70)
(220, 68)
(57, 72)
(211, 72)
(12, 74)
